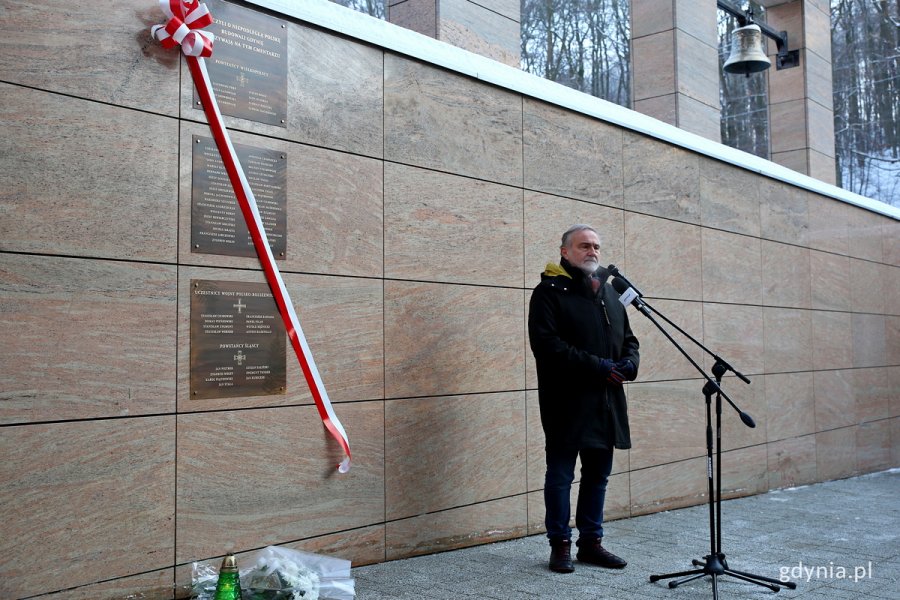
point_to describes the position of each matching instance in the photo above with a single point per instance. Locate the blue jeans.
(596, 465)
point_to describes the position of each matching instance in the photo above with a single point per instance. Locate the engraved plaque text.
(237, 340)
(217, 223)
(248, 66)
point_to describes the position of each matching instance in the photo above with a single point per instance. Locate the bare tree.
(583, 44)
(865, 43)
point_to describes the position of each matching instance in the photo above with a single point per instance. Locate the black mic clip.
(602, 274)
(614, 271)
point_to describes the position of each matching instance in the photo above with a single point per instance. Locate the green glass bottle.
(228, 586)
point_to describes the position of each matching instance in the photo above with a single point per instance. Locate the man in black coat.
(584, 350)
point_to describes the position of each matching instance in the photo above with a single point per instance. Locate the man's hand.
(606, 368)
(621, 371)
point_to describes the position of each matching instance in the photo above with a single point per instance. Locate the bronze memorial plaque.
(217, 223)
(237, 340)
(248, 66)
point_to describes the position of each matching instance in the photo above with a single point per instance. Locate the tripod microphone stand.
(714, 564)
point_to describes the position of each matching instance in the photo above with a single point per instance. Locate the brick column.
(674, 53)
(801, 110)
(487, 27)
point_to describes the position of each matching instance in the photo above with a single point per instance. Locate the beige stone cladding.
(421, 207)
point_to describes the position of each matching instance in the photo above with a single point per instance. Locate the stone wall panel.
(443, 121)
(667, 422)
(486, 433)
(81, 178)
(481, 523)
(572, 155)
(105, 55)
(262, 477)
(790, 405)
(660, 179)
(441, 227)
(451, 339)
(86, 501)
(788, 339)
(732, 268)
(663, 257)
(660, 359)
(85, 339)
(792, 462)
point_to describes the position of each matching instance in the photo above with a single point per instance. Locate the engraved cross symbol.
(239, 357)
(242, 79)
(239, 305)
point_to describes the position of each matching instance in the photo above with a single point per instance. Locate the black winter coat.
(570, 329)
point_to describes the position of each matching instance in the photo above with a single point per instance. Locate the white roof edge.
(351, 23)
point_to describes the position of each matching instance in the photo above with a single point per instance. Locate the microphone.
(627, 293)
(747, 419)
(614, 271)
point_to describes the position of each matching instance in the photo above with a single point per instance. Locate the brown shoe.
(595, 554)
(561, 556)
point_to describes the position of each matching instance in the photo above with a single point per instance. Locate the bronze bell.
(747, 54)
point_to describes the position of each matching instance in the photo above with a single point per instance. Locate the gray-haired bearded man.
(584, 350)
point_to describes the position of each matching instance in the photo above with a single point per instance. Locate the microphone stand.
(714, 564)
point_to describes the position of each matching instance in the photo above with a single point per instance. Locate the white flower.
(304, 582)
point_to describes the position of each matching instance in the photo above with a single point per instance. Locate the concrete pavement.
(839, 539)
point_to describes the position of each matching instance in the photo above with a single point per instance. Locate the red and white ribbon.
(186, 18)
(184, 27)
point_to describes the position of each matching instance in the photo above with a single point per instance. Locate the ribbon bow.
(186, 19)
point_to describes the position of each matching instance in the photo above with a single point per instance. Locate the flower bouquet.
(276, 573)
